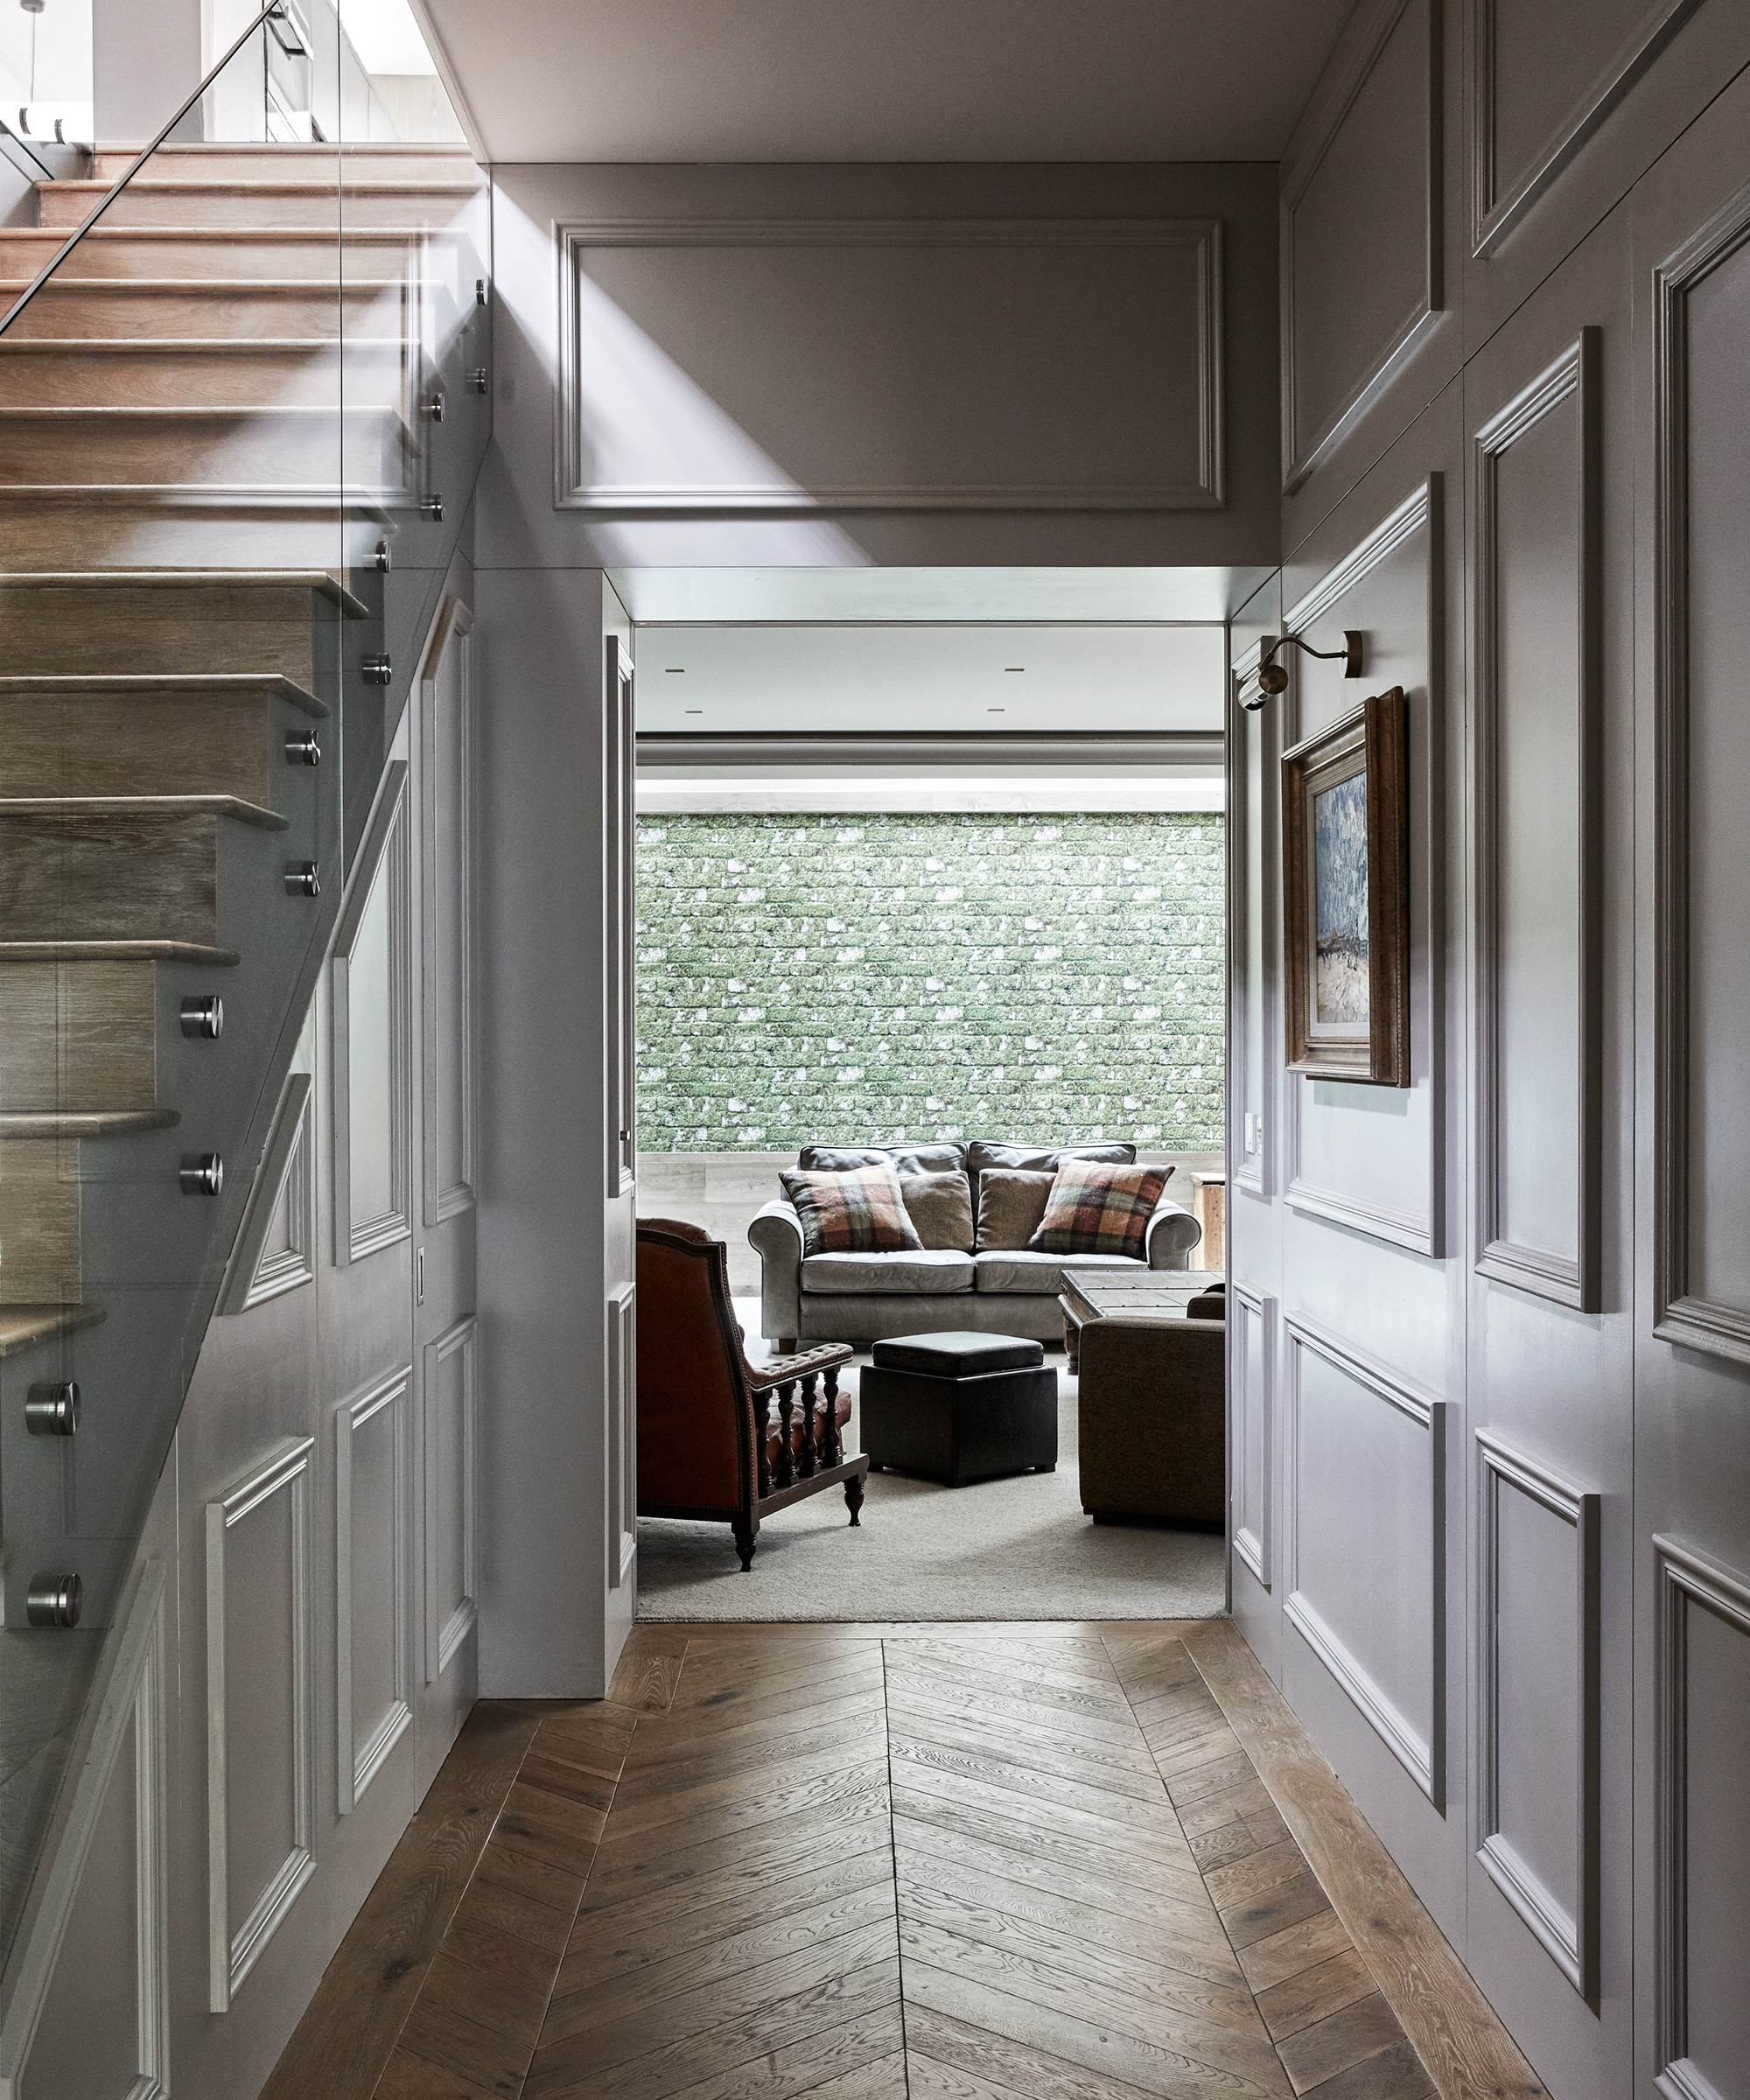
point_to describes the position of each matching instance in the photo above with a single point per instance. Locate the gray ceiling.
(884, 80)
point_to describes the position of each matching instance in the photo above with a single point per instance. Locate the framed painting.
(1345, 897)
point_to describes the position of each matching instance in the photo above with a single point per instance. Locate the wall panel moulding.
(1702, 1696)
(1049, 364)
(1529, 121)
(1365, 1562)
(1387, 1179)
(1252, 1382)
(1367, 153)
(1701, 1263)
(1538, 761)
(1538, 1713)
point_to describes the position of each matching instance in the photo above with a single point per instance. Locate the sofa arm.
(775, 1233)
(1171, 1235)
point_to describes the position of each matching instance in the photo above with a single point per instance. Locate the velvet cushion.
(860, 1212)
(1011, 1204)
(941, 1207)
(1094, 1209)
(1043, 1159)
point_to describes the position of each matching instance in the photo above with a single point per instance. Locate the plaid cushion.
(1093, 1208)
(859, 1212)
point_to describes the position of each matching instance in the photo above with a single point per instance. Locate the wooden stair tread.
(182, 287)
(159, 412)
(90, 1123)
(23, 1326)
(315, 579)
(146, 805)
(119, 951)
(53, 237)
(154, 685)
(268, 186)
(193, 346)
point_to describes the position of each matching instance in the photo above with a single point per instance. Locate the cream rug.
(1020, 1548)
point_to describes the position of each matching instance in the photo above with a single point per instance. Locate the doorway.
(904, 884)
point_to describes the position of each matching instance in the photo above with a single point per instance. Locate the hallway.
(996, 1863)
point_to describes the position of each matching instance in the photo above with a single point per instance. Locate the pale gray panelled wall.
(298, 1650)
(1490, 1419)
(1002, 364)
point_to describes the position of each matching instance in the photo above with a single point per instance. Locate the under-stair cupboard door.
(620, 1102)
(445, 1353)
(1691, 237)
(1548, 425)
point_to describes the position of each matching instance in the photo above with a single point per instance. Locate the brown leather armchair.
(699, 1399)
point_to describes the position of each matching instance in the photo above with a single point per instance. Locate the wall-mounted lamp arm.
(1273, 678)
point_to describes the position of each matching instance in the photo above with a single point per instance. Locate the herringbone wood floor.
(1002, 1863)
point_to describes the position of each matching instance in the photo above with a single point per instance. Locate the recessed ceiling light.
(693, 711)
(996, 710)
(673, 670)
(1014, 666)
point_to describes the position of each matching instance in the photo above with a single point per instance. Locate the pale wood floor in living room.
(976, 1862)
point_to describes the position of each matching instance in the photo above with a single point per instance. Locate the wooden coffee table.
(1153, 1293)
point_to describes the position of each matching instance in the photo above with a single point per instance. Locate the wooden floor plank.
(848, 1863)
(343, 2043)
(1469, 2055)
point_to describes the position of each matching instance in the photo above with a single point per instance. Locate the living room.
(942, 900)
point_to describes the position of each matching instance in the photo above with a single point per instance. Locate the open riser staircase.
(238, 430)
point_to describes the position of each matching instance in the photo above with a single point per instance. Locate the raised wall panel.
(447, 916)
(276, 1248)
(371, 990)
(89, 2018)
(260, 1715)
(1701, 645)
(1537, 759)
(1366, 1561)
(1702, 1864)
(1252, 1414)
(787, 365)
(1542, 80)
(371, 1513)
(450, 1440)
(622, 1433)
(1354, 307)
(1537, 1623)
(1371, 1158)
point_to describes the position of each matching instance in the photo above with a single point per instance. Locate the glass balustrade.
(244, 392)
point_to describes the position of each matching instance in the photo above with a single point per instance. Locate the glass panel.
(219, 385)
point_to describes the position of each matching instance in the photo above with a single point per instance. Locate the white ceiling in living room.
(810, 679)
(753, 80)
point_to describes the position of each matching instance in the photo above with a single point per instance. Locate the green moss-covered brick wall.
(863, 979)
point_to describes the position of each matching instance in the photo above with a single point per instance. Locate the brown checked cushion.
(1094, 1209)
(941, 1207)
(1011, 1204)
(860, 1212)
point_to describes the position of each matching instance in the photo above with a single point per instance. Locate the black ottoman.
(959, 1407)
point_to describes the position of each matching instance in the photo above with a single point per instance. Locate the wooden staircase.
(196, 476)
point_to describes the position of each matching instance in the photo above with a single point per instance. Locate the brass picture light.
(1273, 678)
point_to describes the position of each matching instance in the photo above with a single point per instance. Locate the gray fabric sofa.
(862, 1297)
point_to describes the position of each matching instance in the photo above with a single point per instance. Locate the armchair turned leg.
(762, 1426)
(853, 1499)
(745, 1541)
(787, 1457)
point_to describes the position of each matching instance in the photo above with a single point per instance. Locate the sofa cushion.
(939, 1206)
(858, 1211)
(1042, 1158)
(1097, 1209)
(1011, 1201)
(1020, 1270)
(957, 1356)
(903, 1158)
(925, 1272)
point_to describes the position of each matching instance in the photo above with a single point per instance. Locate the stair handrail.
(274, 10)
